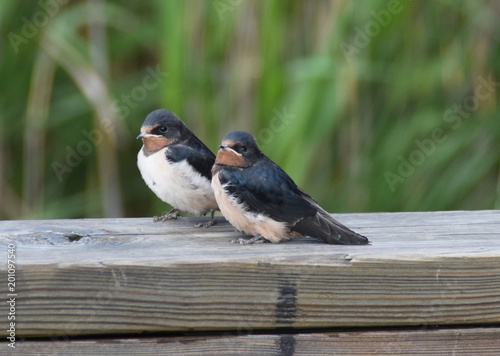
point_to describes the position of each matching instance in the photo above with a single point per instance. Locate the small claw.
(211, 222)
(172, 214)
(259, 239)
(207, 224)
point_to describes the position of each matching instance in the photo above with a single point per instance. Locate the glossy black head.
(238, 149)
(162, 128)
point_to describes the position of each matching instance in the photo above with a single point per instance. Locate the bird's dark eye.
(243, 148)
(163, 129)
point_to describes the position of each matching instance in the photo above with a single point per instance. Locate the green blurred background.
(368, 105)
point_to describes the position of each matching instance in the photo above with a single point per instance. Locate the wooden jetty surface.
(104, 278)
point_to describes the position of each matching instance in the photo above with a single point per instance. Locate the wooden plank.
(108, 276)
(478, 341)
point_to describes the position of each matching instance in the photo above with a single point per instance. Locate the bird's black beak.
(142, 134)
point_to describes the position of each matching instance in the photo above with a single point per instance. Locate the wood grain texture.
(109, 276)
(479, 341)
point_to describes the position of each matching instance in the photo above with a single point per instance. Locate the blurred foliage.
(368, 105)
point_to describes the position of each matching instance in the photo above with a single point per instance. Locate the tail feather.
(324, 227)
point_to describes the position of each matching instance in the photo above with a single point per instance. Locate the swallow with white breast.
(176, 166)
(258, 198)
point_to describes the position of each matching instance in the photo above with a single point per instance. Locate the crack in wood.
(73, 237)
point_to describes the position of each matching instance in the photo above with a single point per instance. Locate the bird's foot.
(172, 214)
(211, 222)
(207, 224)
(258, 239)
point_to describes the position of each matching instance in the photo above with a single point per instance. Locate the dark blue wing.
(266, 188)
(196, 153)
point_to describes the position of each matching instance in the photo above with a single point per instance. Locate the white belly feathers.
(177, 183)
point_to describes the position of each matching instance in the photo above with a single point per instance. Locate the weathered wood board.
(110, 276)
(477, 341)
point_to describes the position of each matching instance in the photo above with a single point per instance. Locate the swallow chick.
(258, 198)
(176, 166)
